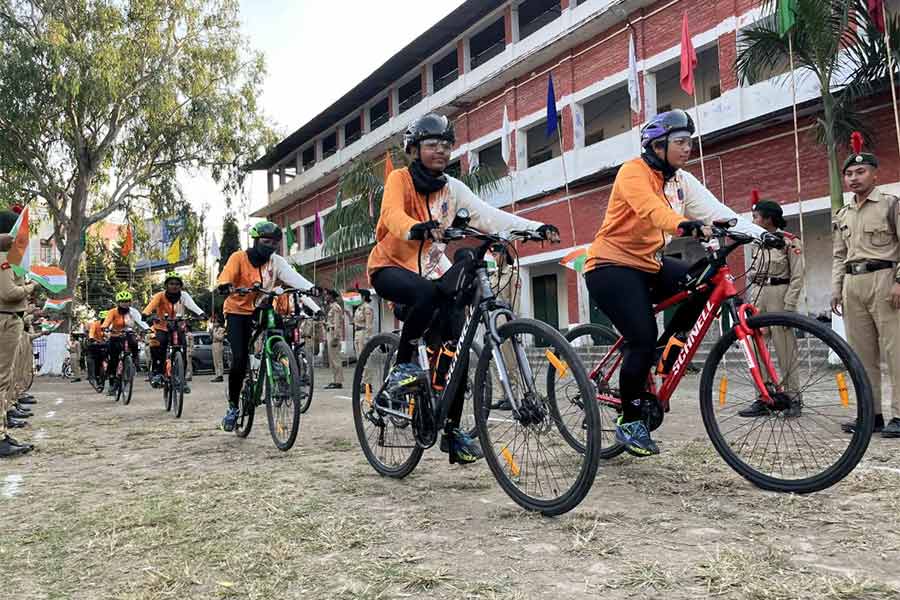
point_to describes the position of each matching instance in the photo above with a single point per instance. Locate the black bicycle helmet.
(430, 126)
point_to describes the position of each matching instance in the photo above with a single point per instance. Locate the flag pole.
(699, 137)
(890, 60)
(562, 155)
(796, 136)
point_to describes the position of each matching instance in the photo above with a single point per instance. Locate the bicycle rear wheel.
(797, 445)
(283, 396)
(126, 381)
(592, 343)
(387, 442)
(167, 384)
(177, 384)
(525, 449)
(467, 422)
(305, 364)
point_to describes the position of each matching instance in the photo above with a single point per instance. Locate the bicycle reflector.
(510, 461)
(369, 395)
(842, 389)
(559, 365)
(723, 391)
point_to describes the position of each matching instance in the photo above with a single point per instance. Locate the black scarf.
(256, 257)
(658, 164)
(424, 181)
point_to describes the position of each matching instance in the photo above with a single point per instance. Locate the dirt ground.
(126, 502)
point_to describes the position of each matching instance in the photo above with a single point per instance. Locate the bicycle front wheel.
(524, 447)
(177, 383)
(246, 405)
(305, 364)
(283, 396)
(126, 383)
(388, 442)
(797, 444)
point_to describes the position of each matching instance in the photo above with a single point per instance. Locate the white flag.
(214, 248)
(505, 141)
(634, 87)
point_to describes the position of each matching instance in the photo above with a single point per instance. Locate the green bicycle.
(273, 377)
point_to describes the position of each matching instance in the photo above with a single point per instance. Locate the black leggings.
(158, 353)
(627, 295)
(240, 329)
(422, 297)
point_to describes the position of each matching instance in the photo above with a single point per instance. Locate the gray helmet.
(430, 126)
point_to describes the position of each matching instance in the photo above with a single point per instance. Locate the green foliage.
(231, 240)
(106, 100)
(828, 45)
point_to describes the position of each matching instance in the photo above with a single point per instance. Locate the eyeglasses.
(434, 145)
(684, 142)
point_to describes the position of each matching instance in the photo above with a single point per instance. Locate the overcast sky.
(316, 51)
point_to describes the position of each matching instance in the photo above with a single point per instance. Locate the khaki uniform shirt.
(864, 231)
(334, 321)
(14, 290)
(218, 334)
(364, 317)
(785, 263)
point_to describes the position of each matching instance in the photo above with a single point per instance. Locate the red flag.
(128, 243)
(688, 58)
(876, 12)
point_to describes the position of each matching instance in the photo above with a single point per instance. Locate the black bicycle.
(273, 377)
(522, 441)
(96, 365)
(173, 376)
(302, 354)
(125, 369)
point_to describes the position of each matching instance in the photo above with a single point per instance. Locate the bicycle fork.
(502, 370)
(764, 365)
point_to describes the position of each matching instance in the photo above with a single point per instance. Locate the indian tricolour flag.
(56, 303)
(352, 298)
(19, 256)
(575, 260)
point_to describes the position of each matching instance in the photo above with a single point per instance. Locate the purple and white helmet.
(664, 124)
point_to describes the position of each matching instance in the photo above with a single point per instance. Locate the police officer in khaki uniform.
(865, 288)
(363, 322)
(309, 329)
(218, 349)
(778, 273)
(13, 300)
(75, 356)
(334, 332)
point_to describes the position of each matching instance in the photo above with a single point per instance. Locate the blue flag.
(552, 115)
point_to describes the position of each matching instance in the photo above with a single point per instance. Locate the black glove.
(419, 231)
(546, 230)
(315, 291)
(690, 229)
(224, 289)
(772, 240)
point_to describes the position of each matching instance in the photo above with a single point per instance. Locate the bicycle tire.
(609, 447)
(389, 342)
(469, 404)
(305, 364)
(282, 353)
(177, 384)
(246, 406)
(126, 383)
(865, 407)
(590, 461)
(67, 369)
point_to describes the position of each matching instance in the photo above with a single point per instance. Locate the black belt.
(776, 281)
(20, 313)
(868, 266)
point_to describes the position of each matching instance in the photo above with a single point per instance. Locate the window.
(309, 157)
(329, 145)
(352, 131)
(454, 169)
(540, 147)
(534, 14)
(410, 93)
(46, 252)
(488, 43)
(607, 116)
(445, 71)
(492, 158)
(379, 114)
(309, 235)
(706, 82)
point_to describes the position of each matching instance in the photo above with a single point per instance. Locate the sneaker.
(462, 448)
(757, 409)
(636, 438)
(891, 429)
(850, 426)
(156, 380)
(405, 377)
(76, 380)
(333, 386)
(230, 419)
(187, 389)
(504, 404)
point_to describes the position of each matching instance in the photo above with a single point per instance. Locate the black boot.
(8, 449)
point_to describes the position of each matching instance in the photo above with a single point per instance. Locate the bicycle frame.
(266, 327)
(722, 296)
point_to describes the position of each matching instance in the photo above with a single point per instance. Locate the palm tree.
(835, 42)
(350, 227)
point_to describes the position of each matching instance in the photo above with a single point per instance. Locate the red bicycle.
(774, 415)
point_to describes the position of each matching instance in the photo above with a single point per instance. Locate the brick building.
(491, 54)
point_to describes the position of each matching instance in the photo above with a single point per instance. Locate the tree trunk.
(835, 182)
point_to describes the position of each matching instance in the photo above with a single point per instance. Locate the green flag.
(289, 238)
(785, 16)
